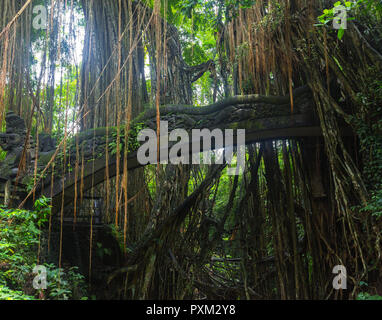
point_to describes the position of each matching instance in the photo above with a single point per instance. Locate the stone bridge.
(263, 118)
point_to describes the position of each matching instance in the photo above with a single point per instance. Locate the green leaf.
(341, 33)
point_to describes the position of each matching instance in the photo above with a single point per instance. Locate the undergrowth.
(20, 231)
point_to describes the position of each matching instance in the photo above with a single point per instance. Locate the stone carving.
(46, 143)
(12, 141)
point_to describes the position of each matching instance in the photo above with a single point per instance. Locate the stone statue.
(46, 143)
(13, 141)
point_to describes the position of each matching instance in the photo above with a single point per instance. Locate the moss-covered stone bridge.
(263, 118)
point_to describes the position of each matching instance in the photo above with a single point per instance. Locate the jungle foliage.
(20, 235)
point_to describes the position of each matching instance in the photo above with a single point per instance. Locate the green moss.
(45, 157)
(6, 165)
(247, 124)
(97, 132)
